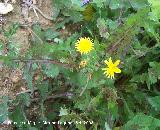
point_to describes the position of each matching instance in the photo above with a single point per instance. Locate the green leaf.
(155, 102)
(107, 126)
(12, 30)
(50, 34)
(43, 50)
(4, 109)
(63, 112)
(43, 88)
(50, 128)
(56, 11)
(99, 3)
(28, 77)
(18, 116)
(142, 121)
(138, 4)
(39, 34)
(115, 4)
(112, 24)
(76, 4)
(32, 128)
(51, 70)
(103, 29)
(83, 102)
(75, 16)
(25, 98)
(6, 60)
(88, 13)
(112, 106)
(155, 14)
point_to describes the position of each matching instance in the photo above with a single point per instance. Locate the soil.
(11, 80)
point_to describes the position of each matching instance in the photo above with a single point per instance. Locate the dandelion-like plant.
(111, 68)
(84, 45)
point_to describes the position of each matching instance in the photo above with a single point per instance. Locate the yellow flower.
(82, 64)
(84, 45)
(111, 68)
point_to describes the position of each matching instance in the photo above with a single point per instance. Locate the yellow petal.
(117, 62)
(104, 68)
(112, 77)
(106, 61)
(117, 70)
(110, 60)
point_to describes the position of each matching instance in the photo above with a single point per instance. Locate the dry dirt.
(11, 80)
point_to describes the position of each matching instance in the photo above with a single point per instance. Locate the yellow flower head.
(111, 68)
(82, 64)
(84, 45)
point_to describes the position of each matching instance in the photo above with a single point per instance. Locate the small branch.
(26, 91)
(85, 86)
(55, 96)
(61, 95)
(44, 15)
(47, 61)
(113, 47)
(31, 31)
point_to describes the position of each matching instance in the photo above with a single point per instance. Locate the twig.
(48, 61)
(112, 47)
(66, 94)
(36, 13)
(30, 30)
(26, 91)
(85, 86)
(55, 96)
(44, 15)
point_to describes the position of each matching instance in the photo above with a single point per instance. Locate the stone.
(5, 8)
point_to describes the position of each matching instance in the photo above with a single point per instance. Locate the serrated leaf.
(100, 3)
(102, 26)
(6, 60)
(43, 88)
(115, 4)
(25, 98)
(51, 70)
(112, 24)
(4, 109)
(63, 112)
(155, 14)
(83, 102)
(39, 34)
(28, 77)
(88, 13)
(50, 34)
(32, 128)
(155, 102)
(138, 4)
(107, 126)
(142, 121)
(18, 116)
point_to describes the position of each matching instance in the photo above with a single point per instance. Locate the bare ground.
(11, 80)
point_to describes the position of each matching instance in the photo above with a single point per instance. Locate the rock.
(5, 8)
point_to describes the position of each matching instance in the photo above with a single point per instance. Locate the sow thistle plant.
(82, 88)
(84, 46)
